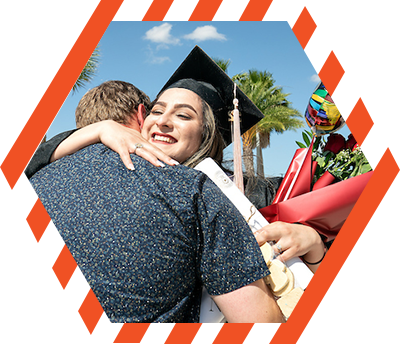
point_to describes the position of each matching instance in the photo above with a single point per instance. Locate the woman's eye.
(156, 112)
(183, 116)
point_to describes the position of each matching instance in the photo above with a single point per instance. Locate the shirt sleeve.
(230, 255)
(42, 156)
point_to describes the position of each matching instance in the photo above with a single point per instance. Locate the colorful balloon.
(321, 114)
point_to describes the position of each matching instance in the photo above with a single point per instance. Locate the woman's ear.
(141, 114)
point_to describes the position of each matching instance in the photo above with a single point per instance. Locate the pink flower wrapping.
(325, 208)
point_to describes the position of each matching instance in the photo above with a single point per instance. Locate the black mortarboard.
(200, 74)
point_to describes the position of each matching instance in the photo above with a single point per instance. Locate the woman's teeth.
(163, 139)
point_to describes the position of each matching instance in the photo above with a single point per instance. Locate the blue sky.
(147, 53)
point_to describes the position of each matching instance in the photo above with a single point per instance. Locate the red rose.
(351, 143)
(335, 143)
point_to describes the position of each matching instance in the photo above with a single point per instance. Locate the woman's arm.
(117, 137)
(79, 139)
(294, 240)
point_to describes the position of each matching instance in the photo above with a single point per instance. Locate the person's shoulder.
(96, 153)
(177, 179)
(96, 148)
(177, 171)
(196, 177)
(90, 155)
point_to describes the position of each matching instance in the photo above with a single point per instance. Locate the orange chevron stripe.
(359, 122)
(183, 333)
(233, 333)
(382, 178)
(37, 125)
(38, 220)
(131, 333)
(304, 27)
(64, 266)
(205, 10)
(255, 10)
(91, 311)
(157, 10)
(331, 73)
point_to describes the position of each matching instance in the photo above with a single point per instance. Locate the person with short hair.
(112, 100)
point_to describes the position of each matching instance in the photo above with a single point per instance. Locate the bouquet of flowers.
(325, 178)
(324, 201)
(337, 157)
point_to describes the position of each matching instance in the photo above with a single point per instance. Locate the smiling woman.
(182, 118)
(175, 123)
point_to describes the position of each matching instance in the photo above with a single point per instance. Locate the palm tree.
(89, 71)
(278, 115)
(223, 64)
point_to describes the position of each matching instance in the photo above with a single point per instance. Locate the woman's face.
(175, 123)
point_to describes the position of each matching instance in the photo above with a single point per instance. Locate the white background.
(362, 303)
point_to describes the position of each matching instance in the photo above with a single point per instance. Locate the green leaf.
(338, 174)
(309, 133)
(328, 157)
(320, 161)
(366, 168)
(356, 171)
(317, 143)
(326, 153)
(301, 145)
(306, 139)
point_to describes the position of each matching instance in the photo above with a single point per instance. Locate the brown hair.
(212, 143)
(116, 100)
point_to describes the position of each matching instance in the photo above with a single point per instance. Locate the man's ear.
(141, 114)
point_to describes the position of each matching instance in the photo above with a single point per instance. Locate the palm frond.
(89, 71)
(223, 64)
(279, 116)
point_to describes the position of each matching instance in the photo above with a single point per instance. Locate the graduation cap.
(200, 74)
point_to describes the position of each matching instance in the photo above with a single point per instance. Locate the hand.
(122, 140)
(294, 240)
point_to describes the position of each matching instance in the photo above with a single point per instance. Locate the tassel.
(237, 149)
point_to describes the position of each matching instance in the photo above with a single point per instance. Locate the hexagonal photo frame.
(330, 73)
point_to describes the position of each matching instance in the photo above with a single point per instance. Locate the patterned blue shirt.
(147, 240)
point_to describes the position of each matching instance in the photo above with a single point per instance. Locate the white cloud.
(161, 34)
(158, 59)
(153, 59)
(315, 78)
(205, 33)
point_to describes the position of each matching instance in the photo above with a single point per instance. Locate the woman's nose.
(164, 120)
